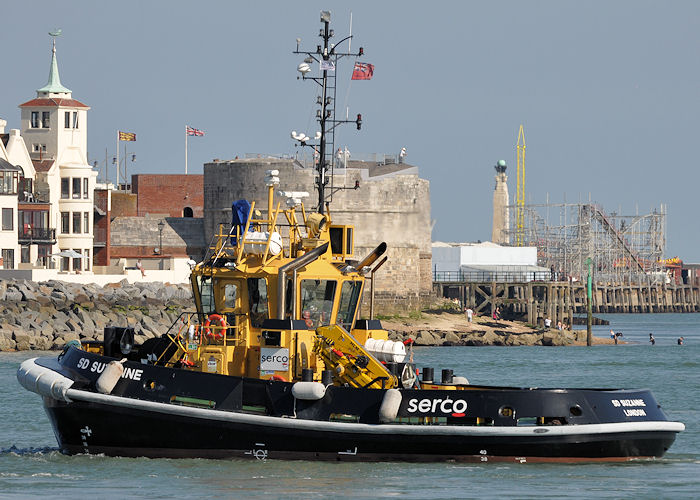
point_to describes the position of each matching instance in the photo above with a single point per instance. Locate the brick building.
(172, 195)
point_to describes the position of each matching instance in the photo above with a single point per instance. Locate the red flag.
(362, 71)
(194, 131)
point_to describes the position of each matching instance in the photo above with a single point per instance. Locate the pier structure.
(532, 301)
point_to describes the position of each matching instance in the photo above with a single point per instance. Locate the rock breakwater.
(46, 315)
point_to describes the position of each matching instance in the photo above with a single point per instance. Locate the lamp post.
(161, 226)
(589, 302)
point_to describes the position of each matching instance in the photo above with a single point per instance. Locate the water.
(30, 466)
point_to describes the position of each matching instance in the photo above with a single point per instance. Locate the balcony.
(37, 235)
(28, 197)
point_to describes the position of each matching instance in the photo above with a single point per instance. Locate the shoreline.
(446, 328)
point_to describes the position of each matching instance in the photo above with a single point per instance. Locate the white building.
(53, 193)
(486, 262)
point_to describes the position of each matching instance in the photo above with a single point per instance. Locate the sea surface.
(31, 466)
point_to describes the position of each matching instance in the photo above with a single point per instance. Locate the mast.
(327, 57)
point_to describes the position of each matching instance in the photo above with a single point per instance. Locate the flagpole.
(185, 149)
(117, 159)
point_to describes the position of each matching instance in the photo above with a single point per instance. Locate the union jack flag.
(362, 71)
(194, 131)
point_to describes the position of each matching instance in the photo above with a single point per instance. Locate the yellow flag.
(127, 136)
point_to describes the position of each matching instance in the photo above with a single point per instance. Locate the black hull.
(248, 418)
(114, 431)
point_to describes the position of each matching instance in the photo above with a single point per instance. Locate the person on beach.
(547, 323)
(469, 313)
(139, 266)
(680, 340)
(652, 340)
(612, 335)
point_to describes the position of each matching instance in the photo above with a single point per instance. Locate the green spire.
(54, 83)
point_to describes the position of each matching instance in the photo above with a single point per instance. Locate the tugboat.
(274, 363)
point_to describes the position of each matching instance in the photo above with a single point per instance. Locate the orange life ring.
(213, 333)
(278, 378)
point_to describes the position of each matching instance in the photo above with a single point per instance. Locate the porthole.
(506, 411)
(576, 411)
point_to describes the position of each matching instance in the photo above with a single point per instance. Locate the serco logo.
(454, 407)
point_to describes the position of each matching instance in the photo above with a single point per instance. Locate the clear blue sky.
(607, 92)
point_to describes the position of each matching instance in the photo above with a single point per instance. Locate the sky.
(607, 92)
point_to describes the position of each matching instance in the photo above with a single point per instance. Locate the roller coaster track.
(598, 214)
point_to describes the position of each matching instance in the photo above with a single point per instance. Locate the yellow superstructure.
(281, 301)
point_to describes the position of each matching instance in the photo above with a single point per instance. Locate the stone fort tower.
(392, 204)
(501, 223)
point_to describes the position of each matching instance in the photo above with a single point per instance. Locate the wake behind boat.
(275, 363)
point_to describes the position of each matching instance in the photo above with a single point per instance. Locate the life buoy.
(278, 378)
(214, 333)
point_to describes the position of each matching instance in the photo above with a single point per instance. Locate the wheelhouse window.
(45, 119)
(206, 294)
(257, 298)
(35, 119)
(65, 188)
(231, 294)
(349, 296)
(76, 187)
(317, 301)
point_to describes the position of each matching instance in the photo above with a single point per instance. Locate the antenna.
(327, 56)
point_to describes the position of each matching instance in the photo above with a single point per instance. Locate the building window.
(8, 258)
(86, 222)
(76, 187)
(86, 260)
(75, 119)
(45, 119)
(24, 254)
(66, 121)
(85, 188)
(65, 222)
(65, 188)
(9, 181)
(65, 264)
(44, 252)
(76, 262)
(39, 148)
(35, 119)
(8, 219)
(187, 212)
(76, 223)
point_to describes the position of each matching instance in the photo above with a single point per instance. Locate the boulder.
(451, 338)
(425, 338)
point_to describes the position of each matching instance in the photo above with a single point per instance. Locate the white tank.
(386, 350)
(110, 376)
(255, 242)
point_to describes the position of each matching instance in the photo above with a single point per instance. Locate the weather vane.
(54, 34)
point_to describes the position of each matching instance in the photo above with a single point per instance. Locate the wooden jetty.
(532, 301)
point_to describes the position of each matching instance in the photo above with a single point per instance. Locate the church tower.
(501, 222)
